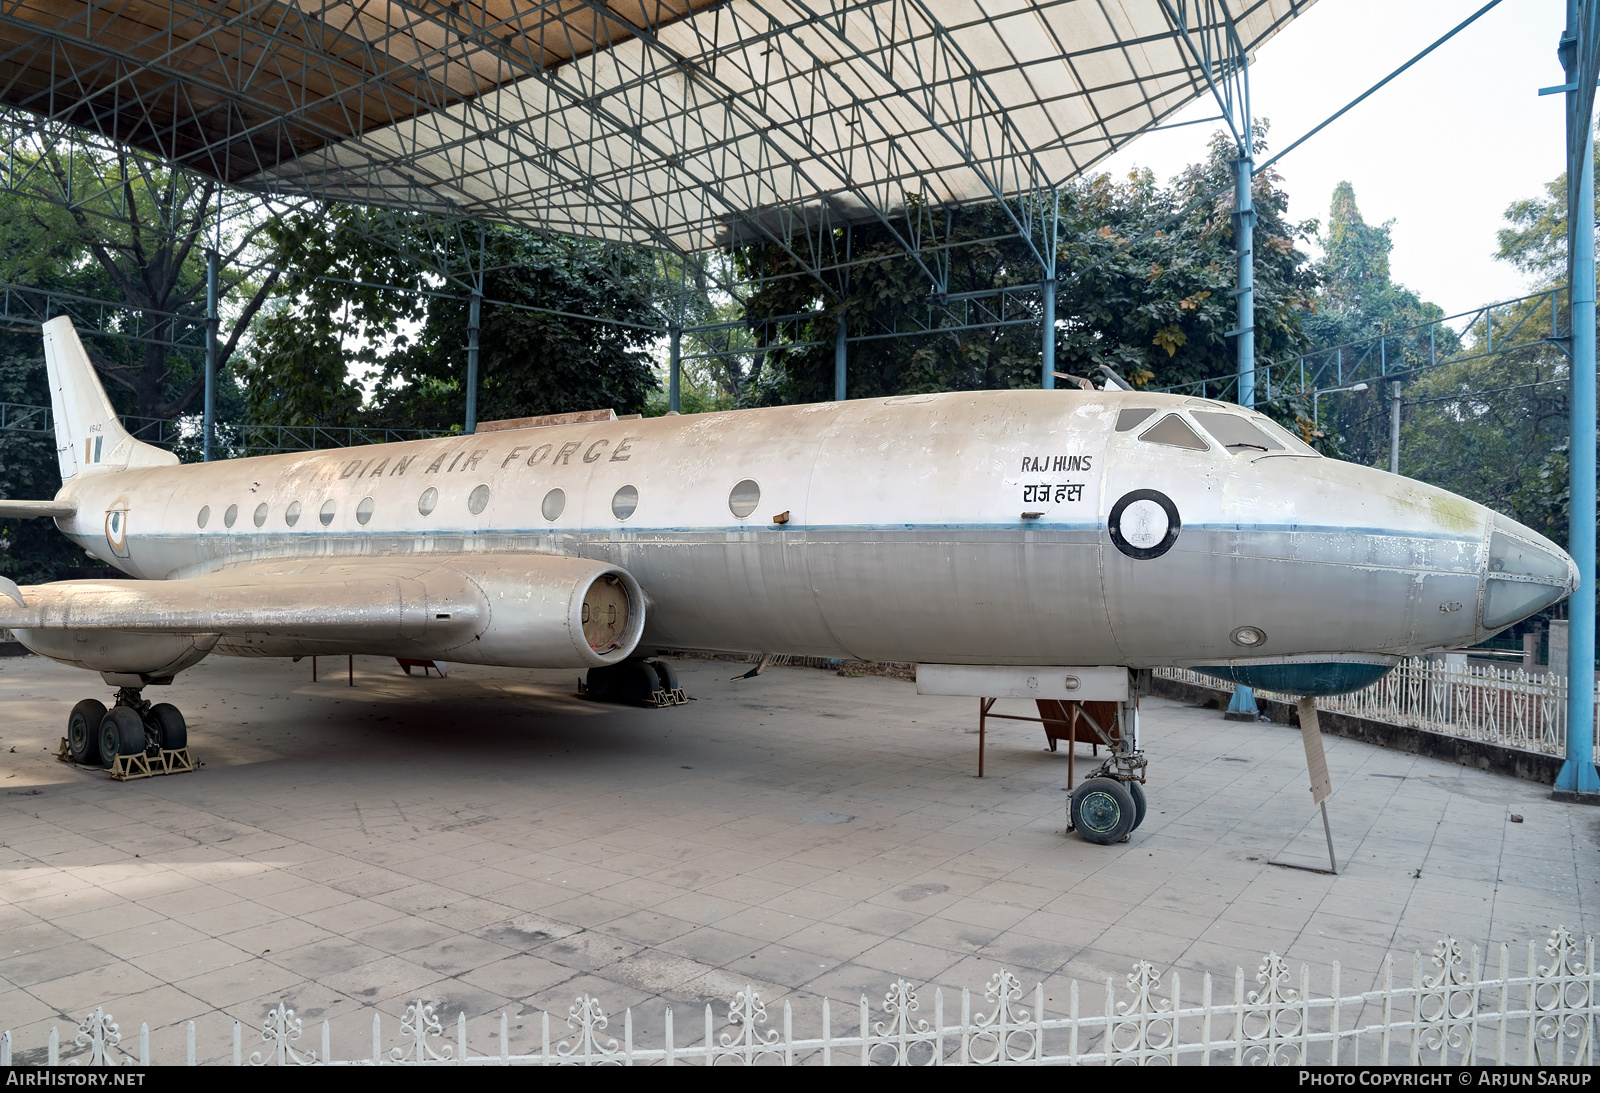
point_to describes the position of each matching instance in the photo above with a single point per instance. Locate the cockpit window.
(1237, 434)
(1174, 431)
(1296, 445)
(1132, 419)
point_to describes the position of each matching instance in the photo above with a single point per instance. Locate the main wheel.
(174, 733)
(1102, 810)
(83, 731)
(121, 733)
(1136, 791)
(664, 672)
(632, 681)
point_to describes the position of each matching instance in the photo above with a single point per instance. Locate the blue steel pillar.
(1244, 239)
(474, 312)
(1048, 379)
(674, 367)
(838, 360)
(209, 425)
(1578, 774)
(1243, 705)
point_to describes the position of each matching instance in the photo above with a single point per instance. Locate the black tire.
(83, 731)
(173, 733)
(599, 684)
(1136, 791)
(629, 683)
(664, 672)
(121, 733)
(1102, 810)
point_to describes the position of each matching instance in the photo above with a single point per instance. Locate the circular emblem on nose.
(1144, 524)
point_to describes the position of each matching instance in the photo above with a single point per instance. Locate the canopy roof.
(682, 124)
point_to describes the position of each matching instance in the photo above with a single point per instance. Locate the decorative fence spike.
(1446, 1013)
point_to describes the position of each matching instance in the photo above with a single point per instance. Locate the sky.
(1441, 151)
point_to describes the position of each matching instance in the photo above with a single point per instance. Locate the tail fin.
(90, 438)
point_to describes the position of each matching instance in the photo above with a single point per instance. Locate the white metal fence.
(1444, 1013)
(1478, 702)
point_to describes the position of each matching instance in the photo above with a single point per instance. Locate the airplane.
(1057, 544)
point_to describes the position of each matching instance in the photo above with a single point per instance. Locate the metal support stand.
(474, 312)
(674, 367)
(1242, 706)
(1321, 784)
(1048, 380)
(1394, 427)
(209, 426)
(1578, 779)
(1333, 863)
(839, 360)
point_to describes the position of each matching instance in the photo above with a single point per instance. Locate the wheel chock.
(125, 768)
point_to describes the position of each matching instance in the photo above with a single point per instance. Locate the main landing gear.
(635, 682)
(133, 739)
(1110, 804)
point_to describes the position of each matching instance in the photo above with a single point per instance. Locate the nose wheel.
(133, 739)
(1110, 804)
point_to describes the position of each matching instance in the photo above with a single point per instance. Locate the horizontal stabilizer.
(23, 510)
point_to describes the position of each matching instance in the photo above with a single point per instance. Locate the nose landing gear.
(133, 739)
(1110, 804)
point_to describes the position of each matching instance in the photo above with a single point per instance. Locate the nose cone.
(1525, 574)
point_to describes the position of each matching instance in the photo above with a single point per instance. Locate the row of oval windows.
(742, 501)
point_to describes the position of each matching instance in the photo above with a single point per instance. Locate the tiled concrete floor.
(491, 842)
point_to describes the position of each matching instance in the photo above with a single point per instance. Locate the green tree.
(1358, 302)
(109, 224)
(31, 551)
(1145, 274)
(541, 350)
(384, 293)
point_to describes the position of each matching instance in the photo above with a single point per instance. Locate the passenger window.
(291, 515)
(205, 515)
(624, 502)
(261, 514)
(1235, 433)
(1132, 419)
(428, 501)
(1172, 430)
(364, 511)
(478, 500)
(230, 516)
(326, 515)
(744, 498)
(555, 502)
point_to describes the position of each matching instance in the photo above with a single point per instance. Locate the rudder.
(89, 436)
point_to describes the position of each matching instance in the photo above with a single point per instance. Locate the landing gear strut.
(133, 739)
(1110, 803)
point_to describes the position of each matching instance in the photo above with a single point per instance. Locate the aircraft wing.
(22, 510)
(535, 610)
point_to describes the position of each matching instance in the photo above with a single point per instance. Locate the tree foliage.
(1144, 275)
(384, 293)
(110, 224)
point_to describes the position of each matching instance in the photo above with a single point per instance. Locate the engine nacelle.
(123, 659)
(549, 611)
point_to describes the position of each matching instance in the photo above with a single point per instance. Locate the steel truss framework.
(678, 124)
